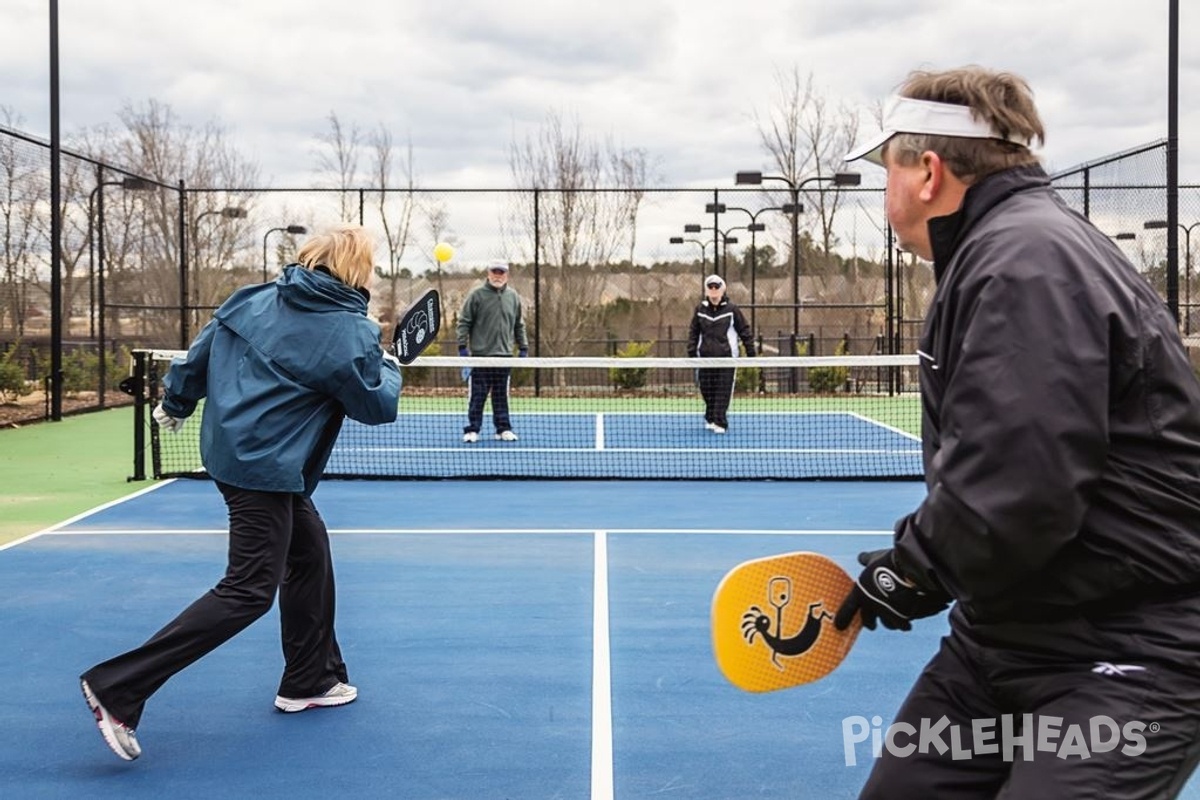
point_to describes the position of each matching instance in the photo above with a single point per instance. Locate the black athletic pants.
(484, 381)
(716, 387)
(1104, 708)
(276, 541)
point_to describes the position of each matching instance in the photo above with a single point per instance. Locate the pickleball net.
(841, 417)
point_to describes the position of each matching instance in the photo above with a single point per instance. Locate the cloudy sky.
(684, 79)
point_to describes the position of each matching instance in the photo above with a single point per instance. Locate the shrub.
(747, 379)
(826, 380)
(628, 380)
(81, 371)
(12, 378)
(419, 376)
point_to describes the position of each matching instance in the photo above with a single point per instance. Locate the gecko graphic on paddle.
(772, 621)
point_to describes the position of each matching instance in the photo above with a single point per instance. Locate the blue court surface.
(509, 640)
(632, 445)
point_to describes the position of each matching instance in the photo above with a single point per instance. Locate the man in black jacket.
(717, 325)
(1061, 437)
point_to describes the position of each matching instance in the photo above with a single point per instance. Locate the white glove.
(166, 421)
(389, 357)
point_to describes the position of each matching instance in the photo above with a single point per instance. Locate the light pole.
(726, 240)
(755, 227)
(703, 247)
(229, 212)
(1158, 224)
(295, 229)
(97, 194)
(837, 179)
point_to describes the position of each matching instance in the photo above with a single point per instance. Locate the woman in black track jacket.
(717, 324)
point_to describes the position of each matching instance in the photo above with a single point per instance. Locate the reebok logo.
(1108, 668)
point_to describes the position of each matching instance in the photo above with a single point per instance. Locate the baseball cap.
(714, 281)
(908, 115)
(498, 264)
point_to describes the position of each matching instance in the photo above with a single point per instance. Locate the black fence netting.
(602, 271)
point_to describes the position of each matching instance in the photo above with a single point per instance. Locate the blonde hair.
(1001, 99)
(347, 251)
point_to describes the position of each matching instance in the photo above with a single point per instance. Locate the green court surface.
(51, 471)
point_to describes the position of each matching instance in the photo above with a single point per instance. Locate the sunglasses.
(715, 285)
(498, 271)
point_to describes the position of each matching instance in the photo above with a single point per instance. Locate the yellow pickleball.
(443, 252)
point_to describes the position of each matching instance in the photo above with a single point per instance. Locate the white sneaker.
(339, 695)
(119, 737)
(712, 426)
(717, 429)
(470, 437)
(506, 436)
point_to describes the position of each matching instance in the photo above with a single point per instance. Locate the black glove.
(883, 593)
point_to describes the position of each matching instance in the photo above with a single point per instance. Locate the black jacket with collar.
(1061, 417)
(715, 330)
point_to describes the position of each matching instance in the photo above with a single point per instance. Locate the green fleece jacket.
(490, 322)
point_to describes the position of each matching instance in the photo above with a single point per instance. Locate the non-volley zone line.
(845, 432)
(518, 448)
(481, 531)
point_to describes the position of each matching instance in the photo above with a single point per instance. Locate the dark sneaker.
(339, 695)
(117, 735)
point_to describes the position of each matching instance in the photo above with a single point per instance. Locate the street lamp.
(795, 209)
(97, 196)
(1161, 224)
(229, 212)
(703, 245)
(295, 229)
(754, 227)
(726, 240)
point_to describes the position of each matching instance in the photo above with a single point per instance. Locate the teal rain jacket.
(281, 364)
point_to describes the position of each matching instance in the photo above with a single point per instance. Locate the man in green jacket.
(488, 325)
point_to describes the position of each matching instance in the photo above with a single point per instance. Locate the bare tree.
(143, 234)
(396, 206)
(338, 159)
(580, 220)
(23, 191)
(806, 138)
(437, 224)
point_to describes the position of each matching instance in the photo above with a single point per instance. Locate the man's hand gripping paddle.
(772, 621)
(417, 327)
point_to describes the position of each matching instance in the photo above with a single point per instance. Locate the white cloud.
(683, 79)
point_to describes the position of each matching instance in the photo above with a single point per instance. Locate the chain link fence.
(601, 271)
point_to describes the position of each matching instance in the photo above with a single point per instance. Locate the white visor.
(906, 115)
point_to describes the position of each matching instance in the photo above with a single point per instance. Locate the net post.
(137, 388)
(151, 385)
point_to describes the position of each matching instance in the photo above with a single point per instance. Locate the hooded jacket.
(1061, 418)
(281, 364)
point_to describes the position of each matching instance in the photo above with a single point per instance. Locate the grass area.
(51, 471)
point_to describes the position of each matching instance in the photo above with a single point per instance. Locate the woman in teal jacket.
(280, 366)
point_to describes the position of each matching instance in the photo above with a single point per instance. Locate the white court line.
(482, 531)
(599, 431)
(786, 451)
(602, 744)
(54, 528)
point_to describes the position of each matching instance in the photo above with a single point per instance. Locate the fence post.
(183, 267)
